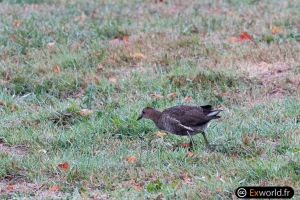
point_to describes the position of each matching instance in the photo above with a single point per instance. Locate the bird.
(182, 120)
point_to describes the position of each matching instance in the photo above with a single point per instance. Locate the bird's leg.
(191, 140)
(205, 139)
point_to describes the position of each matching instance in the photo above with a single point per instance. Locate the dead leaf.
(50, 45)
(232, 39)
(188, 98)
(100, 67)
(54, 188)
(125, 38)
(160, 134)
(155, 96)
(1, 103)
(80, 18)
(137, 186)
(186, 178)
(189, 154)
(85, 112)
(64, 166)
(131, 159)
(234, 155)
(276, 29)
(185, 145)
(113, 79)
(114, 42)
(13, 37)
(16, 23)
(244, 36)
(138, 56)
(172, 95)
(10, 187)
(56, 69)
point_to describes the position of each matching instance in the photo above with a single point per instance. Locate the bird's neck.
(155, 115)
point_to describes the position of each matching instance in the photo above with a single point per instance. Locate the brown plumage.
(182, 120)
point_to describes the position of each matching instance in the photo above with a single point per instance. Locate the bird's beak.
(140, 117)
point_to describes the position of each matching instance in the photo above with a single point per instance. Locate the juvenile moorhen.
(182, 120)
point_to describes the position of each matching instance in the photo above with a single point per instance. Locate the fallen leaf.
(13, 37)
(232, 39)
(186, 178)
(125, 38)
(50, 45)
(113, 79)
(80, 18)
(137, 186)
(276, 29)
(16, 23)
(114, 42)
(244, 36)
(131, 159)
(189, 154)
(138, 56)
(172, 95)
(234, 155)
(10, 187)
(160, 134)
(54, 188)
(1, 103)
(188, 98)
(155, 96)
(64, 166)
(100, 67)
(185, 145)
(56, 69)
(85, 112)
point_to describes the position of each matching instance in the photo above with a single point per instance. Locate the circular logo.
(241, 192)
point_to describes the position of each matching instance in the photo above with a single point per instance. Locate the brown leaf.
(189, 154)
(80, 18)
(188, 98)
(234, 155)
(276, 29)
(160, 134)
(185, 145)
(172, 95)
(16, 23)
(10, 187)
(1, 103)
(155, 96)
(113, 79)
(50, 45)
(13, 37)
(85, 112)
(54, 188)
(131, 159)
(186, 178)
(56, 69)
(125, 38)
(100, 67)
(64, 166)
(138, 56)
(137, 186)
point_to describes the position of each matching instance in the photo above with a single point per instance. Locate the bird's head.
(147, 113)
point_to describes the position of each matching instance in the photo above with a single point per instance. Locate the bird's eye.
(143, 112)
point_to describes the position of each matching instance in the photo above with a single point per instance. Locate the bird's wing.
(189, 115)
(173, 122)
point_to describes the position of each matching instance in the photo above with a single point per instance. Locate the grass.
(116, 57)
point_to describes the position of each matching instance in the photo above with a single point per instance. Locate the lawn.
(75, 75)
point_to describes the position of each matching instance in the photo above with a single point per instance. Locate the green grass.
(172, 47)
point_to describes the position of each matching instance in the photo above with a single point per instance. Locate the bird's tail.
(214, 114)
